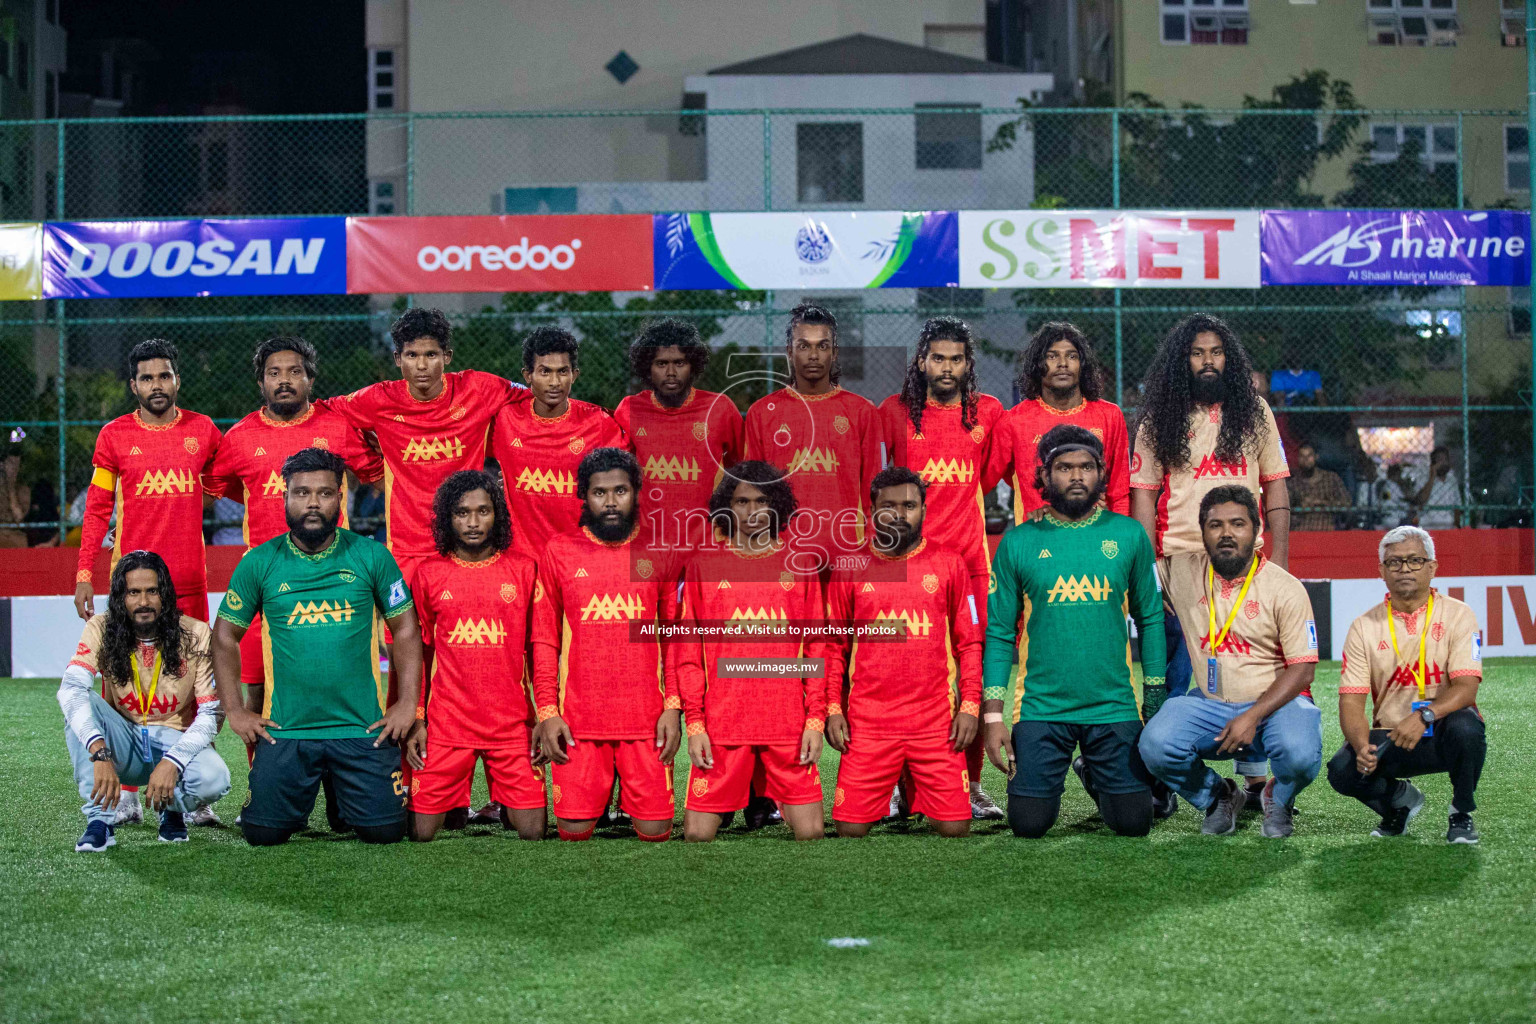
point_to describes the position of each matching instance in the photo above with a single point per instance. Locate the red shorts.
(253, 655)
(583, 784)
(194, 604)
(442, 784)
(776, 768)
(941, 785)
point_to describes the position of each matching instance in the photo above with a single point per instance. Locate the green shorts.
(286, 775)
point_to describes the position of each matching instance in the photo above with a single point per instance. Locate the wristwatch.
(1427, 715)
(104, 754)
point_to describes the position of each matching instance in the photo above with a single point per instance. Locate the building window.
(1435, 144)
(829, 162)
(1512, 23)
(1205, 22)
(963, 40)
(693, 124)
(383, 198)
(1517, 158)
(381, 80)
(1412, 22)
(949, 141)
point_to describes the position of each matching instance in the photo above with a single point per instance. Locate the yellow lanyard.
(1210, 603)
(1418, 677)
(154, 683)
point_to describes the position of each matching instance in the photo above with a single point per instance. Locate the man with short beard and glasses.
(605, 689)
(1065, 583)
(1251, 636)
(317, 587)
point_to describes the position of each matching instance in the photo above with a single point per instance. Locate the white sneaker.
(984, 808)
(205, 817)
(129, 810)
(898, 810)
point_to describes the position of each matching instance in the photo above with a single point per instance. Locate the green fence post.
(1466, 416)
(1114, 164)
(61, 338)
(767, 160)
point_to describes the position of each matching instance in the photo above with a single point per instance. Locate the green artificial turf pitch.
(1080, 926)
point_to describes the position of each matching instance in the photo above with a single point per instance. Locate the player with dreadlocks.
(1203, 426)
(940, 426)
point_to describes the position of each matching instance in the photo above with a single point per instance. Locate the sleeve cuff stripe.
(177, 762)
(1274, 476)
(1145, 487)
(1354, 689)
(232, 620)
(1459, 673)
(77, 663)
(1302, 660)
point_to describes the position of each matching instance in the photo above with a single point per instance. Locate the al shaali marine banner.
(1397, 247)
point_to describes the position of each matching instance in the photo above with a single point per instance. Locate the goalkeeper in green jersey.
(1065, 583)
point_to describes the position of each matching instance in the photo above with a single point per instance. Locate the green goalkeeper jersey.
(1060, 604)
(318, 630)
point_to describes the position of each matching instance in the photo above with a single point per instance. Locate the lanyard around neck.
(1210, 603)
(1429, 611)
(154, 683)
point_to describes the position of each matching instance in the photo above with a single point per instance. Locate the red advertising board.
(554, 253)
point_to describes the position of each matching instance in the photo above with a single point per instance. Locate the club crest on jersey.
(841, 424)
(397, 592)
(430, 449)
(1136, 462)
(509, 592)
(931, 583)
(316, 613)
(347, 576)
(700, 431)
(233, 600)
(607, 606)
(458, 412)
(1110, 548)
(644, 568)
(1251, 609)
(577, 445)
(977, 434)
(555, 792)
(190, 444)
(323, 443)
(1437, 631)
(160, 482)
(787, 580)
(700, 786)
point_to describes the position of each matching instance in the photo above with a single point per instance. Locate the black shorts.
(285, 778)
(1044, 751)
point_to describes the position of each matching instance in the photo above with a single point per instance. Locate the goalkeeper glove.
(1153, 694)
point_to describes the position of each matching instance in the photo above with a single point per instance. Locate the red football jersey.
(424, 443)
(538, 459)
(249, 466)
(154, 477)
(953, 461)
(1015, 450)
(590, 664)
(829, 445)
(682, 454)
(477, 619)
(724, 586)
(911, 688)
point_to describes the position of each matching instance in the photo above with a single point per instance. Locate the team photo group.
(569, 596)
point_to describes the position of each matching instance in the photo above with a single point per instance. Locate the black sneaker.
(96, 838)
(1165, 802)
(758, 813)
(1253, 796)
(1405, 806)
(1461, 830)
(490, 814)
(457, 819)
(1080, 768)
(173, 827)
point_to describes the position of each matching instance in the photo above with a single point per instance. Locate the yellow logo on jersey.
(274, 485)
(260, 450)
(284, 588)
(445, 596)
(869, 588)
(671, 467)
(813, 460)
(311, 613)
(581, 574)
(949, 471)
(545, 481)
(607, 606)
(517, 442)
(700, 430)
(478, 631)
(1110, 548)
(724, 585)
(640, 432)
(917, 623)
(1071, 589)
(761, 614)
(135, 451)
(158, 482)
(840, 424)
(430, 449)
(1044, 553)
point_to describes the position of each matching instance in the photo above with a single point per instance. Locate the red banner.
(569, 253)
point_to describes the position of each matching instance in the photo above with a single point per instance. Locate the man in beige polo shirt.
(1249, 631)
(1419, 655)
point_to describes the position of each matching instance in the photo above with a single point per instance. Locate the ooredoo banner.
(1397, 247)
(552, 253)
(163, 258)
(1109, 249)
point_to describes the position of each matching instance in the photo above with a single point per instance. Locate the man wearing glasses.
(1419, 656)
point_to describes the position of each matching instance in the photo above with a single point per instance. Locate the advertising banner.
(1109, 249)
(161, 258)
(875, 249)
(21, 261)
(1505, 607)
(1397, 247)
(553, 253)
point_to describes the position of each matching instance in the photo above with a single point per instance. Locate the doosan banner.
(876, 249)
(1397, 247)
(1109, 249)
(552, 253)
(162, 258)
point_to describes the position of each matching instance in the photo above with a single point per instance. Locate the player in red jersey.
(1062, 382)
(606, 697)
(767, 727)
(940, 427)
(539, 443)
(684, 436)
(475, 602)
(910, 704)
(825, 439)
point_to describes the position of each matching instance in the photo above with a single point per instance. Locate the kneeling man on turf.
(1065, 583)
(910, 703)
(316, 588)
(741, 727)
(154, 721)
(474, 602)
(606, 696)
(1250, 635)
(1419, 655)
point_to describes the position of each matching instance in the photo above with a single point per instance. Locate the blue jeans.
(1182, 736)
(1180, 675)
(205, 781)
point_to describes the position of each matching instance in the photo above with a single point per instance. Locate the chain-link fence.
(1397, 373)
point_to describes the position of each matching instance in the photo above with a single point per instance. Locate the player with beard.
(1256, 649)
(317, 587)
(1062, 383)
(1065, 583)
(148, 466)
(743, 728)
(1203, 426)
(604, 687)
(683, 435)
(908, 704)
(941, 427)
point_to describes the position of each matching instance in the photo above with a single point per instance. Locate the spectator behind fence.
(1295, 387)
(1318, 496)
(1440, 488)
